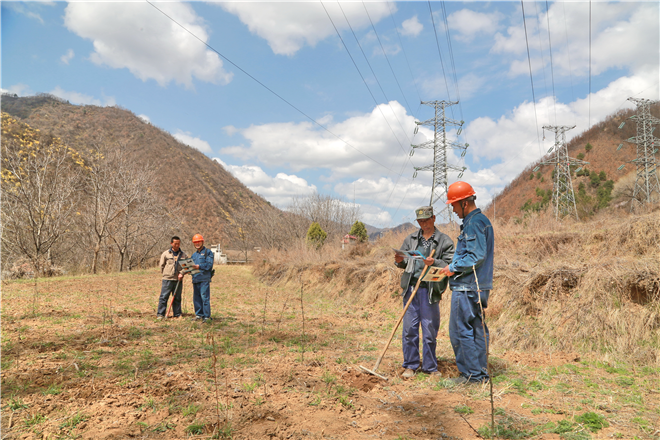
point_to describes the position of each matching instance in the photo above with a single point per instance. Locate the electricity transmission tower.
(563, 197)
(647, 177)
(440, 144)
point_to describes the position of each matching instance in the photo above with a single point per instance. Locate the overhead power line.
(268, 88)
(387, 100)
(531, 78)
(552, 70)
(362, 76)
(386, 58)
(403, 49)
(437, 42)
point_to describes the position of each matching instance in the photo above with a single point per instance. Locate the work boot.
(197, 318)
(460, 380)
(206, 321)
(159, 317)
(408, 373)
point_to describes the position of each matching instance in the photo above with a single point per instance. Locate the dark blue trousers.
(202, 299)
(166, 289)
(420, 313)
(466, 334)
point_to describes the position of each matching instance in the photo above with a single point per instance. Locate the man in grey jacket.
(424, 309)
(169, 268)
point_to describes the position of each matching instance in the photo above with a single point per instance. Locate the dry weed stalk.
(302, 310)
(214, 356)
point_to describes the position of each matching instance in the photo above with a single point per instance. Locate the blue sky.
(356, 144)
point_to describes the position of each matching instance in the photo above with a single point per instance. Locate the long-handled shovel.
(396, 326)
(167, 315)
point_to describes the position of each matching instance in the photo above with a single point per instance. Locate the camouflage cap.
(424, 212)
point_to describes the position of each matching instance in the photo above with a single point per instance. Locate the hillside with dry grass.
(205, 195)
(603, 139)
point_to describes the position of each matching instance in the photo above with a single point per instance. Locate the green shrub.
(588, 147)
(316, 235)
(360, 231)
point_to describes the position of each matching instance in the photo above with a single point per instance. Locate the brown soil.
(84, 358)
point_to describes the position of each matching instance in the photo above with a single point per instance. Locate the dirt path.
(84, 358)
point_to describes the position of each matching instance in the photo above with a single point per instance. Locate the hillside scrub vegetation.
(588, 287)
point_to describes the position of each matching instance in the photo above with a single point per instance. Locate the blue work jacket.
(203, 257)
(475, 247)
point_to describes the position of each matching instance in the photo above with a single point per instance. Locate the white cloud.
(145, 118)
(27, 9)
(407, 194)
(68, 56)
(624, 35)
(303, 145)
(138, 37)
(412, 27)
(287, 27)
(469, 23)
(185, 137)
(230, 130)
(19, 89)
(279, 190)
(81, 98)
(375, 216)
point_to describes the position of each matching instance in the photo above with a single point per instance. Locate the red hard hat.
(197, 238)
(459, 191)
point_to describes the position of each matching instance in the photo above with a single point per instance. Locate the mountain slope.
(604, 139)
(206, 195)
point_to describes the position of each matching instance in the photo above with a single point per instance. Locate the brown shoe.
(408, 373)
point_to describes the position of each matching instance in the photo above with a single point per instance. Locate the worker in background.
(424, 309)
(203, 259)
(470, 276)
(171, 284)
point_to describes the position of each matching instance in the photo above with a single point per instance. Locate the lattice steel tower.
(563, 196)
(646, 182)
(440, 144)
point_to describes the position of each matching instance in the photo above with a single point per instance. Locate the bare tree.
(40, 186)
(334, 215)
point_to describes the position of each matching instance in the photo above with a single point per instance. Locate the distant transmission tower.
(440, 144)
(563, 197)
(647, 177)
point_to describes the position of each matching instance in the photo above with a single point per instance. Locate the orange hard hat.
(459, 191)
(197, 238)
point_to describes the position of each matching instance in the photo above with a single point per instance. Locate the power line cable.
(529, 60)
(373, 73)
(453, 65)
(361, 76)
(368, 88)
(267, 88)
(568, 56)
(404, 54)
(451, 57)
(552, 71)
(386, 57)
(437, 42)
(545, 80)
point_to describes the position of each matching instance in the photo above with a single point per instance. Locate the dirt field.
(83, 357)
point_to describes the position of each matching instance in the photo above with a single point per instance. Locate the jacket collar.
(418, 235)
